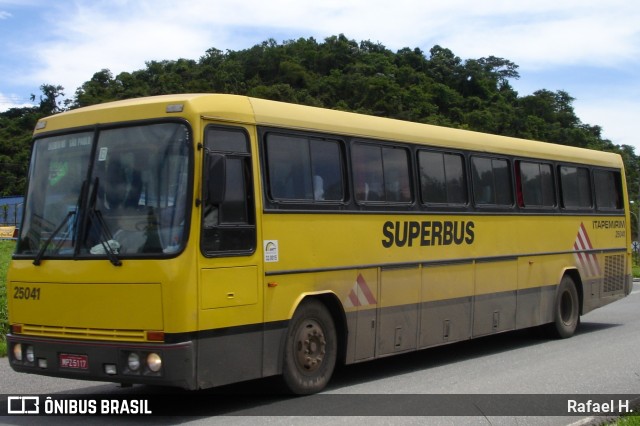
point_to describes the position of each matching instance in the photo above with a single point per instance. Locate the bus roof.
(243, 109)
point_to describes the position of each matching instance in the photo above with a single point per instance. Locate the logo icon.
(270, 250)
(23, 405)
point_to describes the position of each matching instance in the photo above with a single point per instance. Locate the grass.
(6, 249)
(632, 420)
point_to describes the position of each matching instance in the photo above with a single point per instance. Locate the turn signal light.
(155, 336)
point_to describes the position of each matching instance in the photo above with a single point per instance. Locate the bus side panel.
(275, 334)
(538, 278)
(446, 311)
(362, 323)
(494, 307)
(400, 291)
(230, 340)
(602, 259)
(612, 285)
(229, 356)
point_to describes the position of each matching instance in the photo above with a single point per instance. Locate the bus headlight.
(17, 351)
(133, 361)
(154, 362)
(29, 353)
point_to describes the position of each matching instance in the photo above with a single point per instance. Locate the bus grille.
(84, 333)
(613, 273)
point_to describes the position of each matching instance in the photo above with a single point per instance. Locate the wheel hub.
(311, 346)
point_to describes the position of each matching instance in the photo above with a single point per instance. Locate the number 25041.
(26, 293)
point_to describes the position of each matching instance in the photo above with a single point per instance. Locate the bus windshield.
(115, 192)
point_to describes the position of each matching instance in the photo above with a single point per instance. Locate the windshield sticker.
(57, 145)
(57, 171)
(68, 142)
(103, 154)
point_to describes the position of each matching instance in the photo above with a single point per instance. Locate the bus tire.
(310, 350)
(566, 310)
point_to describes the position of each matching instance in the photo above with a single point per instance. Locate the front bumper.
(104, 361)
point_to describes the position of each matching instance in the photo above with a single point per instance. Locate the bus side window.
(608, 189)
(304, 170)
(381, 174)
(491, 182)
(575, 185)
(228, 224)
(536, 187)
(288, 159)
(396, 175)
(327, 169)
(442, 178)
(367, 173)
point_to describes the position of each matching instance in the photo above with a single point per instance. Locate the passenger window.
(576, 187)
(442, 178)
(226, 140)
(327, 170)
(228, 225)
(304, 169)
(289, 168)
(381, 174)
(491, 182)
(608, 186)
(537, 187)
(367, 173)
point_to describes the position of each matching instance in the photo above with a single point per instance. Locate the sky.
(588, 48)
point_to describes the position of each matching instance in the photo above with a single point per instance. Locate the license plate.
(78, 362)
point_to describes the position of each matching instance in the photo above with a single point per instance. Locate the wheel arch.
(574, 274)
(336, 310)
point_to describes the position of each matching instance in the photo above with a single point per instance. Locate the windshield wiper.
(64, 221)
(104, 235)
(40, 254)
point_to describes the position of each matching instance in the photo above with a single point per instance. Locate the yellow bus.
(203, 239)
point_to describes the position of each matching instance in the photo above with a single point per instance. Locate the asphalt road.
(603, 358)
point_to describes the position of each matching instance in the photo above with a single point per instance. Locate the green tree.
(436, 87)
(49, 103)
(16, 128)
(101, 88)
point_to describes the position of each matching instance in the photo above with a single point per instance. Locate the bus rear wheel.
(310, 350)
(566, 312)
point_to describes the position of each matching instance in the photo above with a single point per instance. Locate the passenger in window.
(361, 187)
(362, 190)
(373, 186)
(398, 189)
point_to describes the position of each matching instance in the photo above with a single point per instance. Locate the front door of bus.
(230, 311)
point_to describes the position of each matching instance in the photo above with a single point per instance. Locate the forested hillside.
(435, 87)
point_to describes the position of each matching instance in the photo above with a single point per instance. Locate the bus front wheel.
(310, 350)
(566, 309)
